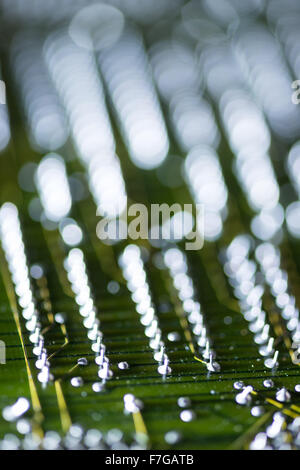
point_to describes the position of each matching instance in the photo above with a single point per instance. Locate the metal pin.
(212, 366)
(158, 356)
(207, 353)
(152, 329)
(259, 324)
(267, 350)
(263, 337)
(34, 337)
(44, 375)
(244, 397)
(198, 327)
(164, 369)
(155, 343)
(283, 395)
(271, 363)
(274, 429)
(42, 360)
(202, 339)
(104, 371)
(93, 333)
(99, 359)
(97, 345)
(37, 350)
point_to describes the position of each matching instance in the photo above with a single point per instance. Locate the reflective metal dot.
(187, 415)
(123, 365)
(239, 385)
(60, 318)
(268, 383)
(82, 361)
(98, 387)
(174, 336)
(184, 402)
(257, 411)
(76, 381)
(283, 395)
(172, 437)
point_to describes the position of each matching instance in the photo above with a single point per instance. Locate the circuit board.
(144, 344)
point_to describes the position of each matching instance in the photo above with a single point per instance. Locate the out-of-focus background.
(141, 343)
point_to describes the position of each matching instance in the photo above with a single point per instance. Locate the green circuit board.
(246, 398)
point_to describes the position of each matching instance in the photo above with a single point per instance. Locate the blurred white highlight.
(205, 180)
(48, 129)
(80, 88)
(126, 72)
(4, 119)
(96, 26)
(52, 184)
